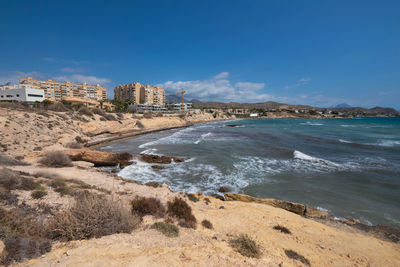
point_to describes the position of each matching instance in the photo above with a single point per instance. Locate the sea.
(349, 167)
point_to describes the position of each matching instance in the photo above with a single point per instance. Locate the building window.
(17, 95)
(33, 95)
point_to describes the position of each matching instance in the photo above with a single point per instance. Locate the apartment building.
(58, 91)
(131, 91)
(142, 95)
(154, 95)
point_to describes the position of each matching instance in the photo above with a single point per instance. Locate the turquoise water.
(350, 167)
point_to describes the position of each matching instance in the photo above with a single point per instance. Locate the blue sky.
(301, 52)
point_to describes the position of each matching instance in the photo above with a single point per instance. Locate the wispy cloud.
(73, 69)
(79, 78)
(13, 76)
(300, 82)
(49, 59)
(219, 88)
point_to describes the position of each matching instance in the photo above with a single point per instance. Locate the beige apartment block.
(131, 91)
(58, 91)
(147, 95)
(154, 95)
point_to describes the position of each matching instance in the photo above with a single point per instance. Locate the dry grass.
(181, 210)
(167, 229)
(142, 206)
(207, 224)
(92, 216)
(296, 256)
(9, 161)
(246, 246)
(56, 159)
(283, 229)
(98, 111)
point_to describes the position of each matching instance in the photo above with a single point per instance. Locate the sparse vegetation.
(181, 210)
(12, 180)
(246, 246)
(296, 256)
(98, 111)
(207, 224)
(9, 161)
(109, 117)
(142, 206)
(38, 194)
(283, 229)
(167, 229)
(56, 159)
(192, 197)
(61, 187)
(92, 216)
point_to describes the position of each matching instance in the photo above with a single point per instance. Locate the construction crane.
(182, 92)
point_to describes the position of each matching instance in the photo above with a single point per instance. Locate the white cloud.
(79, 78)
(222, 75)
(218, 88)
(304, 80)
(300, 82)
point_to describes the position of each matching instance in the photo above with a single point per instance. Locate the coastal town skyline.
(258, 52)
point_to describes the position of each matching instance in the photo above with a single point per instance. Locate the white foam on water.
(301, 155)
(322, 209)
(150, 151)
(203, 137)
(345, 141)
(388, 143)
(311, 123)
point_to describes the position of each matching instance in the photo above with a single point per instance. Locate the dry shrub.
(283, 229)
(56, 159)
(47, 175)
(98, 111)
(167, 229)
(58, 107)
(245, 246)
(139, 125)
(37, 194)
(92, 216)
(207, 224)
(153, 184)
(85, 111)
(147, 115)
(296, 256)
(21, 232)
(120, 116)
(192, 197)
(9, 161)
(8, 197)
(73, 145)
(142, 206)
(61, 187)
(181, 210)
(109, 117)
(12, 180)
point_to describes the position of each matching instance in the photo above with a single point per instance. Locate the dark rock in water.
(234, 125)
(159, 159)
(114, 171)
(218, 196)
(124, 164)
(224, 189)
(157, 167)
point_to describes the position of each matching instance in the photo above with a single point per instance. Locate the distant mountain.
(171, 99)
(343, 105)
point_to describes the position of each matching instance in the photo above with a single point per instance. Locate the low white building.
(20, 92)
(253, 115)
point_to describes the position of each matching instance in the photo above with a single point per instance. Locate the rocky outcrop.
(159, 159)
(99, 158)
(287, 205)
(224, 189)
